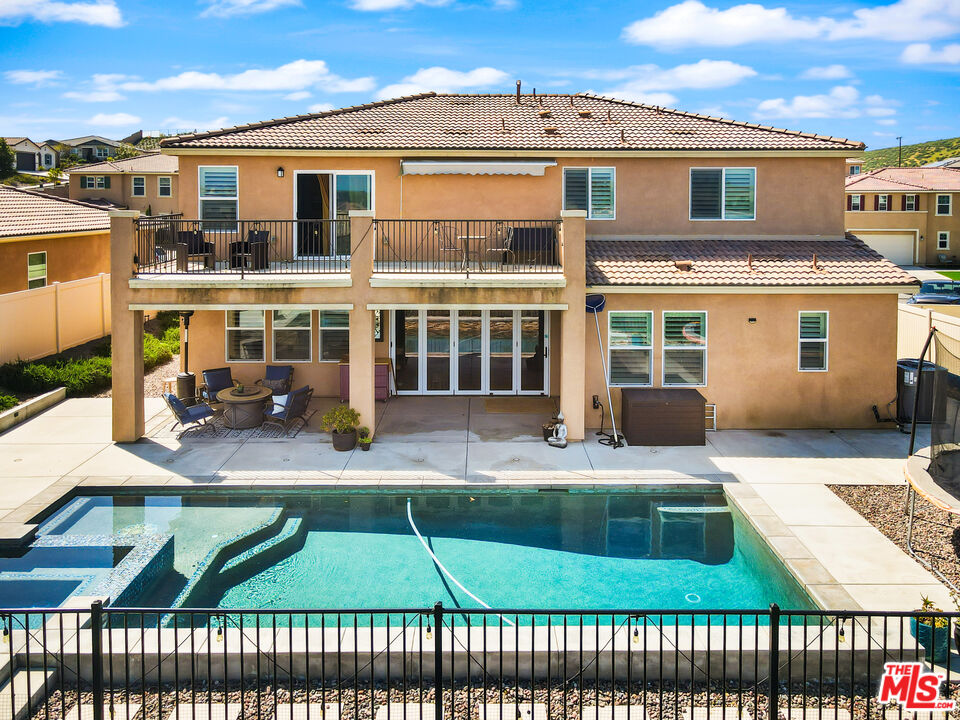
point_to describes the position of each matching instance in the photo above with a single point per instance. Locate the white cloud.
(232, 8)
(843, 101)
(828, 72)
(299, 95)
(887, 121)
(646, 83)
(32, 77)
(441, 79)
(296, 75)
(922, 53)
(102, 89)
(114, 119)
(178, 123)
(100, 12)
(691, 22)
(320, 107)
(377, 5)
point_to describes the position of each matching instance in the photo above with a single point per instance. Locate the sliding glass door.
(328, 196)
(470, 351)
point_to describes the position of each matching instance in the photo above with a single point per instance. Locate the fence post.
(96, 657)
(438, 659)
(56, 314)
(773, 663)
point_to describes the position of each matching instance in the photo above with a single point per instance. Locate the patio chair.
(285, 410)
(500, 249)
(190, 244)
(214, 381)
(278, 378)
(189, 418)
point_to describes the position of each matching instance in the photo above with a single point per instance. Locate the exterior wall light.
(279, 172)
(752, 321)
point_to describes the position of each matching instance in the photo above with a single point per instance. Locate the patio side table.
(244, 410)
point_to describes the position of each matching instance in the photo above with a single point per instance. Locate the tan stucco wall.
(121, 193)
(752, 372)
(924, 221)
(68, 258)
(652, 193)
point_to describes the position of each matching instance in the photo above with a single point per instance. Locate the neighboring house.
(946, 162)
(854, 166)
(49, 154)
(459, 235)
(91, 148)
(28, 154)
(138, 183)
(909, 215)
(44, 239)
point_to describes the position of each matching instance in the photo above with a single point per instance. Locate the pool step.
(619, 712)
(121, 711)
(513, 711)
(292, 532)
(693, 509)
(298, 711)
(717, 712)
(205, 711)
(23, 690)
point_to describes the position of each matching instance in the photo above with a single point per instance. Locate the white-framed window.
(94, 182)
(723, 193)
(854, 169)
(592, 189)
(48, 159)
(219, 196)
(943, 240)
(334, 335)
(36, 269)
(164, 186)
(292, 335)
(630, 348)
(944, 205)
(684, 348)
(139, 186)
(910, 203)
(856, 202)
(245, 335)
(883, 202)
(813, 341)
(102, 151)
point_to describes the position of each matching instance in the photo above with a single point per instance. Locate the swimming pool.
(587, 550)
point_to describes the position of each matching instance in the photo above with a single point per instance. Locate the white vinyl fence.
(40, 322)
(914, 325)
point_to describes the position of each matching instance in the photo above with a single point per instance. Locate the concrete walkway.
(777, 478)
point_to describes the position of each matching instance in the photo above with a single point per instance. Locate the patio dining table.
(243, 410)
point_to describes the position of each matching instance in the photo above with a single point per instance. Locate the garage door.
(26, 161)
(898, 248)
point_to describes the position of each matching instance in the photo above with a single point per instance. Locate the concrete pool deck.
(777, 478)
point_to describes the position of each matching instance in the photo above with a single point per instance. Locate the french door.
(471, 352)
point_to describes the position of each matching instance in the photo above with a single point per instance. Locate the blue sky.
(868, 71)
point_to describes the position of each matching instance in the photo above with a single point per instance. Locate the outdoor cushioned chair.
(279, 378)
(191, 243)
(190, 418)
(285, 410)
(214, 381)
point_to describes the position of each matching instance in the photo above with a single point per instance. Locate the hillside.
(913, 155)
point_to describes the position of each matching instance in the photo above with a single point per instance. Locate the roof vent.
(683, 265)
(584, 113)
(544, 113)
(551, 130)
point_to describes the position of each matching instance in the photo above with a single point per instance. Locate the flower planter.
(935, 640)
(365, 446)
(344, 441)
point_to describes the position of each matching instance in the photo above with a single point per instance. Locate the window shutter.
(575, 189)
(849, 202)
(83, 182)
(106, 182)
(903, 202)
(630, 329)
(601, 193)
(738, 197)
(889, 202)
(876, 202)
(813, 326)
(705, 194)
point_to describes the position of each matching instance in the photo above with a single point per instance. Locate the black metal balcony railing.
(468, 246)
(166, 246)
(462, 664)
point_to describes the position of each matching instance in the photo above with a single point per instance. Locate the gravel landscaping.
(936, 534)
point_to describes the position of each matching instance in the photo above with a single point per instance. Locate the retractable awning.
(475, 167)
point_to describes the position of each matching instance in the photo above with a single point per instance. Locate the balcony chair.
(256, 247)
(449, 244)
(214, 381)
(189, 418)
(278, 378)
(191, 244)
(285, 410)
(501, 248)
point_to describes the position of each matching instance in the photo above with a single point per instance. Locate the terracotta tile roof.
(905, 179)
(152, 162)
(740, 263)
(434, 121)
(25, 212)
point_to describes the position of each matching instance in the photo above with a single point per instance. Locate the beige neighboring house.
(139, 183)
(854, 166)
(908, 215)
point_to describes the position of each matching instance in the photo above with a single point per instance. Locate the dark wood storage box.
(663, 416)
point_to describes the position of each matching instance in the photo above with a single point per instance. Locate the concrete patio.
(778, 479)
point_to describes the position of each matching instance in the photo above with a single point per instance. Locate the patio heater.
(186, 380)
(595, 305)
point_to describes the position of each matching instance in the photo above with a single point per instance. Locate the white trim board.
(240, 306)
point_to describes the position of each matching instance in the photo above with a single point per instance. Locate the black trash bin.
(187, 388)
(907, 391)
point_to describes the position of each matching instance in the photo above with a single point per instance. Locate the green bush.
(7, 402)
(155, 352)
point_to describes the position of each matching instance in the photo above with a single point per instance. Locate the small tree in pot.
(341, 421)
(931, 631)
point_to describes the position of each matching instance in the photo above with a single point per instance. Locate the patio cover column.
(126, 331)
(362, 365)
(573, 322)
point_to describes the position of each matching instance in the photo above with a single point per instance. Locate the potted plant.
(933, 633)
(364, 438)
(548, 428)
(341, 421)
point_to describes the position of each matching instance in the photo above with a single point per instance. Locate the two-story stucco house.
(145, 182)
(907, 214)
(457, 237)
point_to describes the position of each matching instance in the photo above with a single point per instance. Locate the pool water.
(644, 550)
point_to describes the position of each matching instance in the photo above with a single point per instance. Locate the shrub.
(340, 419)
(155, 352)
(7, 402)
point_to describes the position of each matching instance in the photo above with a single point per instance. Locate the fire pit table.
(243, 409)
